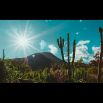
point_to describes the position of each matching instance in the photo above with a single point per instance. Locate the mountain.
(41, 60)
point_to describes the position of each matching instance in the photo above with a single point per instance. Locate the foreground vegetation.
(18, 72)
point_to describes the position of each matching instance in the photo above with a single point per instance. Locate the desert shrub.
(80, 75)
(92, 70)
(59, 73)
(15, 71)
(12, 72)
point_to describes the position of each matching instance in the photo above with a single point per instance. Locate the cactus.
(3, 54)
(74, 49)
(101, 54)
(68, 51)
(61, 45)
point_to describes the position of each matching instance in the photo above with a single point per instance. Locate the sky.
(20, 38)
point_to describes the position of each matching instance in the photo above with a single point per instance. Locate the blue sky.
(44, 34)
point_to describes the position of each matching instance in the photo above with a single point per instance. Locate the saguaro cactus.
(68, 51)
(61, 45)
(101, 55)
(3, 54)
(74, 49)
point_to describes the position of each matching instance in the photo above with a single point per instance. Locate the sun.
(22, 41)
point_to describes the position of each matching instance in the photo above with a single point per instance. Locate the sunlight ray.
(46, 32)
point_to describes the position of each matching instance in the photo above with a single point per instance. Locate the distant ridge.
(41, 60)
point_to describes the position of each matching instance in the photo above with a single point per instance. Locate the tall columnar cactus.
(68, 51)
(74, 49)
(101, 54)
(3, 54)
(61, 45)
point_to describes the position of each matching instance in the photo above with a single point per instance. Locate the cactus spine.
(60, 42)
(101, 54)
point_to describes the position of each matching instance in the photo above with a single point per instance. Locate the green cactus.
(61, 45)
(68, 51)
(101, 55)
(3, 54)
(74, 49)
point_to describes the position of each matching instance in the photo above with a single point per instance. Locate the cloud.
(43, 44)
(82, 51)
(53, 49)
(65, 57)
(95, 49)
(83, 42)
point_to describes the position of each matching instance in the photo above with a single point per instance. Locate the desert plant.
(68, 52)
(74, 50)
(61, 45)
(101, 55)
(3, 54)
(80, 74)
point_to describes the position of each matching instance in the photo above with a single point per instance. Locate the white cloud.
(53, 49)
(83, 42)
(43, 44)
(95, 49)
(65, 57)
(82, 51)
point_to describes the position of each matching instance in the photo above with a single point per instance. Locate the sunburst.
(22, 39)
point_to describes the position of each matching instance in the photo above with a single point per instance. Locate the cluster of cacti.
(61, 45)
(101, 55)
